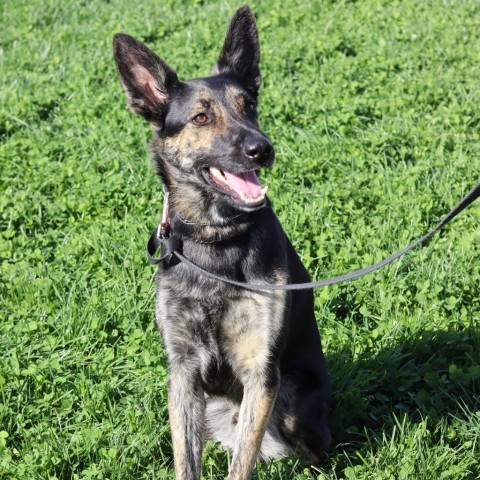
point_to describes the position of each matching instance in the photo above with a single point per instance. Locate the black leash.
(171, 244)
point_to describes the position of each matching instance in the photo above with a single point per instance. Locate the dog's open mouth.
(244, 188)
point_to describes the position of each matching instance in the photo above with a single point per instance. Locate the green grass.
(373, 107)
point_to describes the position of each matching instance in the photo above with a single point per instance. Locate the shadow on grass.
(431, 375)
(434, 376)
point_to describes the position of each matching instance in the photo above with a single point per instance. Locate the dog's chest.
(225, 340)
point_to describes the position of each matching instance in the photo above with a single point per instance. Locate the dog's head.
(207, 144)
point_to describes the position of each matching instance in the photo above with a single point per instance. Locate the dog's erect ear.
(146, 78)
(241, 50)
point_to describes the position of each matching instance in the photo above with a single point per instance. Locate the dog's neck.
(207, 225)
(209, 233)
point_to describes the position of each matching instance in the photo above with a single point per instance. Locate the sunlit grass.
(373, 110)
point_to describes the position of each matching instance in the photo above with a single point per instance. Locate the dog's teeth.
(218, 175)
(215, 172)
(264, 191)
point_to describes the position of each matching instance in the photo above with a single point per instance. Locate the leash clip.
(163, 232)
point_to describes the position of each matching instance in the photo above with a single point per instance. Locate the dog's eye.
(200, 119)
(250, 107)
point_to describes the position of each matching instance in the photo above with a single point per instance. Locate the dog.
(245, 368)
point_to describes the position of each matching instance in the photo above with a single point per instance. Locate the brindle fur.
(246, 368)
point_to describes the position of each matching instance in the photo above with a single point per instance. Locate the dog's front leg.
(257, 403)
(186, 408)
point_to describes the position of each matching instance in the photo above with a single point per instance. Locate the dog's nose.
(258, 149)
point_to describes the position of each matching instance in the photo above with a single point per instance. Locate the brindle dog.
(246, 368)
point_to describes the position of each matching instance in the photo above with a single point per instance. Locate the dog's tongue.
(246, 183)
